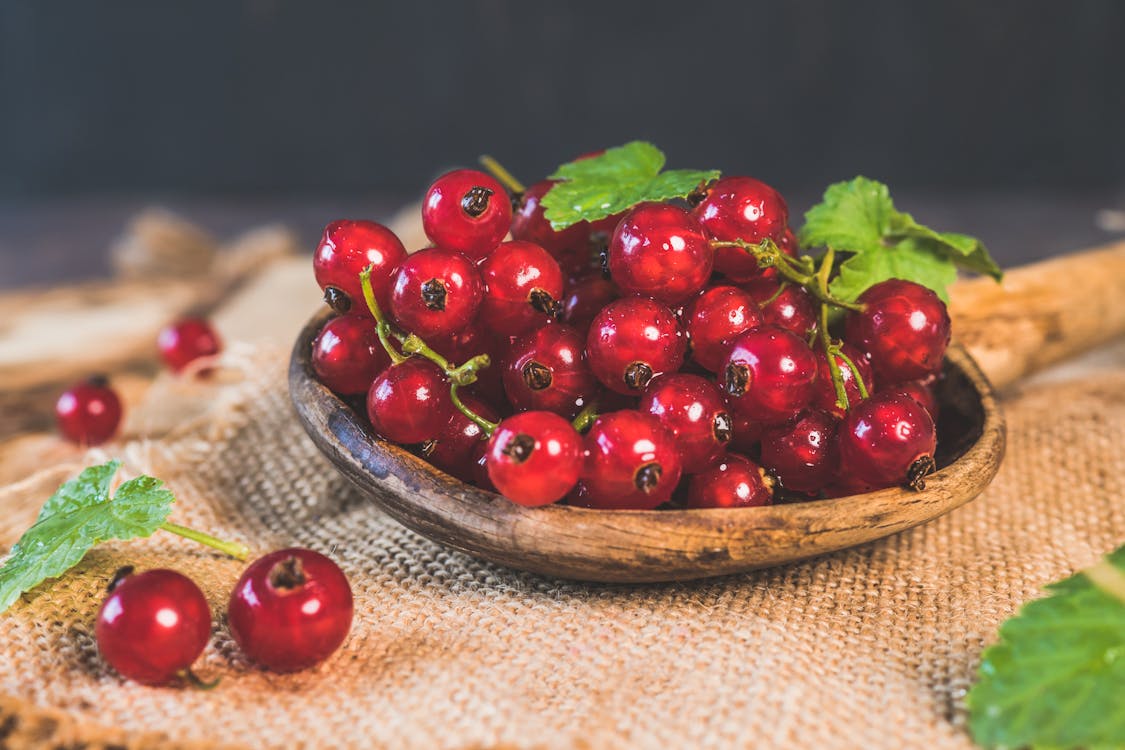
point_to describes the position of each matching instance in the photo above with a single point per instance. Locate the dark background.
(1008, 117)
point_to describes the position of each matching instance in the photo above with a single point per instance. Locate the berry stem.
(586, 417)
(235, 549)
(503, 175)
(863, 392)
(382, 327)
(800, 271)
(825, 339)
(481, 422)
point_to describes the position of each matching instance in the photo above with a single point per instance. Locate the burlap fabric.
(873, 647)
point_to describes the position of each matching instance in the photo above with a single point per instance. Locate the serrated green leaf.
(853, 217)
(78, 516)
(909, 260)
(618, 179)
(1057, 676)
(966, 252)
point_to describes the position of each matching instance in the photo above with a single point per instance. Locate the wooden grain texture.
(641, 546)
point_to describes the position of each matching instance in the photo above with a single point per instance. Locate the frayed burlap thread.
(872, 647)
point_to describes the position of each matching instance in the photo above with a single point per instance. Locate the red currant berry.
(534, 458)
(921, 391)
(631, 341)
(802, 453)
(585, 300)
(480, 467)
(409, 402)
(347, 248)
(904, 328)
(824, 396)
(734, 482)
(714, 319)
(659, 250)
(453, 451)
(88, 413)
(791, 307)
(693, 410)
(769, 374)
(546, 370)
(467, 211)
(886, 440)
(633, 462)
(290, 609)
(741, 208)
(469, 342)
(747, 435)
(347, 355)
(436, 292)
(153, 625)
(529, 223)
(523, 286)
(187, 340)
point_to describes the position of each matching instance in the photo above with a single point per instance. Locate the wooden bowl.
(656, 545)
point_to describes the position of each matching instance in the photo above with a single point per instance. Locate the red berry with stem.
(693, 410)
(436, 292)
(523, 288)
(786, 305)
(409, 402)
(633, 462)
(769, 374)
(88, 413)
(463, 345)
(921, 391)
(802, 453)
(534, 458)
(347, 355)
(291, 609)
(546, 370)
(631, 341)
(453, 450)
(734, 482)
(741, 208)
(714, 319)
(586, 298)
(529, 223)
(659, 250)
(187, 340)
(467, 211)
(904, 328)
(345, 249)
(888, 439)
(825, 393)
(153, 625)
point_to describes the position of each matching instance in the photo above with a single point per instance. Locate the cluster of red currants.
(290, 610)
(679, 352)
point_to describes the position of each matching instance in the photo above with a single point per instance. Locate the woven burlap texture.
(872, 647)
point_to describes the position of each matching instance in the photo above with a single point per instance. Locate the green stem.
(825, 339)
(382, 327)
(234, 549)
(586, 417)
(478, 420)
(863, 392)
(507, 178)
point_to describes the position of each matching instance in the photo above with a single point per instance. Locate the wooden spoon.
(1041, 314)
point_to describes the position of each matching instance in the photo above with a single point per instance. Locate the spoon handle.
(1041, 313)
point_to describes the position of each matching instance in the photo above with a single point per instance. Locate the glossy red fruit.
(734, 482)
(904, 328)
(694, 411)
(631, 341)
(659, 250)
(409, 402)
(769, 374)
(747, 435)
(453, 450)
(802, 453)
(632, 462)
(534, 458)
(153, 625)
(586, 298)
(467, 211)
(523, 289)
(291, 609)
(546, 370)
(345, 249)
(825, 393)
(741, 208)
(470, 342)
(88, 413)
(714, 319)
(436, 292)
(889, 439)
(529, 223)
(347, 355)
(792, 307)
(921, 391)
(187, 340)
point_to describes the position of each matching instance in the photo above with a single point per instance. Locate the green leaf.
(908, 260)
(965, 251)
(615, 180)
(1057, 676)
(854, 216)
(78, 516)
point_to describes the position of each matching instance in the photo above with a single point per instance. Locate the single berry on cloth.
(824, 396)
(523, 288)
(660, 251)
(631, 341)
(467, 211)
(153, 625)
(714, 319)
(347, 355)
(187, 340)
(769, 375)
(409, 402)
(88, 413)
(741, 208)
(887, 440)
(436, 292)
(345, 249)
(904, 328)
(734, 482)
(534, 458)
(802, 454)
(454, 449)
(694, 411)
(546, 370)
(633, 462)
(290, 610)
(786, 305)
